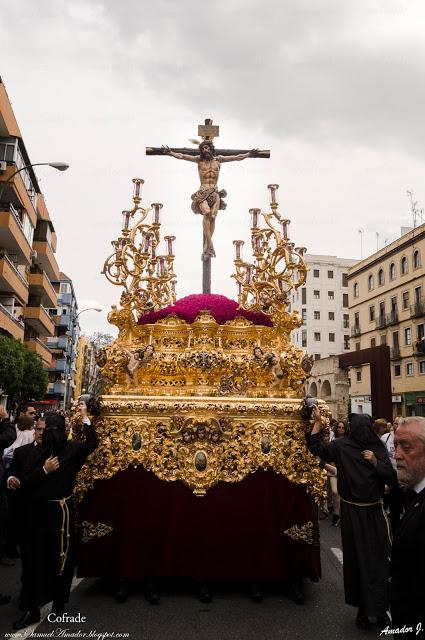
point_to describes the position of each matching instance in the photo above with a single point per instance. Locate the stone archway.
(313, 390)
(325, 390)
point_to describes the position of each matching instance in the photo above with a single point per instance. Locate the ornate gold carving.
(304, 532)
(91, 530)
(202, 441)
(147, 278)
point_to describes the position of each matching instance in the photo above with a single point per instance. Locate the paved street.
(231, 615)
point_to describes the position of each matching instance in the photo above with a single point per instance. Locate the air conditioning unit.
(3, 165)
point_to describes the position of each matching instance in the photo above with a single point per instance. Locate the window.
(373, 342)
(421, 366)
(331, 337)
(408, 336)
(381, 279)
(370, 282)
(331, 295)
(304, 338)
(420, 331)
(303, 295)
(406, 300)
(356, 290)
(397, 370)
(304, 315)
(345, 279)
(357, 319)
(345, 321)
(404, 266)
(357, 346)
(392, 271)
(372, 313)
(416, 259)
(409, 368)
(317, 336)
(317, 356)
(418, 295)
(65, 287)
(316, 294)
(316, 273)
(331, 315)
(330, 275)
(316, 315)
(358, 376)
(345, 299)
(383, 339)
(346, 342)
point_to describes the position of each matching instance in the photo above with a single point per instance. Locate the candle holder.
(148, 280)
(278, 266)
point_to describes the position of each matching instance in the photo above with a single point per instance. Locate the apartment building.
(27, 243)
(387, 306)
(323, 305)
(64, 344)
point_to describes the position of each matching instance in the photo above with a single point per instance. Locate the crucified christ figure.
(208, 199)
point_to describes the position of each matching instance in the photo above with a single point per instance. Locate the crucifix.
(208, 200)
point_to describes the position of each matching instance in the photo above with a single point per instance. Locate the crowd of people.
(39, 462)
(376, 477)
(379, 500)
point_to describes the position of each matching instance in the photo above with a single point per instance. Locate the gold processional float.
(204, 402)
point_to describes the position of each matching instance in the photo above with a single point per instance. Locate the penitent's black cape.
(358, 479)
(364, 526)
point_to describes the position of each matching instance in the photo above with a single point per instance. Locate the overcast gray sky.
(335, 90)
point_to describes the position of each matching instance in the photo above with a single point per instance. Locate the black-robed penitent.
(366, 537)
(49, 539)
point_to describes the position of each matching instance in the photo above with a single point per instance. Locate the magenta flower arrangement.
(221, 308)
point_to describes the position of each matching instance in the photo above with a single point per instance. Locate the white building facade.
(323, 305)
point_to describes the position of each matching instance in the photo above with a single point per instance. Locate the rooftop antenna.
(416, 213)
(361, 232)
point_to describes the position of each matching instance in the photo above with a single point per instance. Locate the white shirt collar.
(419, 486)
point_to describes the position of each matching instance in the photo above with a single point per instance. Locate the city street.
(180, 616)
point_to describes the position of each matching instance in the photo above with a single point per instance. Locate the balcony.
(35, 344)
(356, 331)
(417, 310)
(18, 193)
(46, 259)
(395, 353)
(420, 347)
(65, 298)
(381, 322)
(392, 317)
(11, 281)
(9, 324)
(61, 343)
(57, 388)
(39, 320)
(63, 320)
(58, 366)
(40, 285)
(12, 236)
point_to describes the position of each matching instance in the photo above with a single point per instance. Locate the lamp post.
(60, 166)
(68, 371)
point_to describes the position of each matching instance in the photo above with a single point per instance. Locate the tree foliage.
(21, 371)
(99, 339)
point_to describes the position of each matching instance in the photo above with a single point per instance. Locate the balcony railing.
(356, 331)
(417, 310)
(395, 353)
(17, 273)
(392, 317)
(381, 322)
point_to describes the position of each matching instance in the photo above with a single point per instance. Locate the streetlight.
(60, 166)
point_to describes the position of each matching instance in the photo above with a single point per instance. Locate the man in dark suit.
(408, 551)
(7, 436)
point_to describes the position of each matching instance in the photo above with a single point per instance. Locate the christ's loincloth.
(208, 194)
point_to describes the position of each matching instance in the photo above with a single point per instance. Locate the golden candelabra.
(278, 266)
(148, 279)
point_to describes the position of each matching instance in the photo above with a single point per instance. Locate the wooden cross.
(208, 132)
